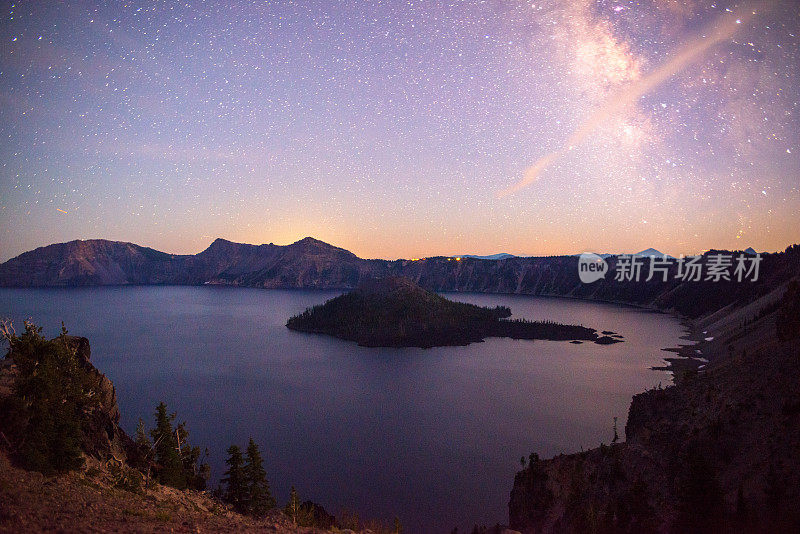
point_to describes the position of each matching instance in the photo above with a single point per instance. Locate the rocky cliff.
(102, 435)
(718, 452)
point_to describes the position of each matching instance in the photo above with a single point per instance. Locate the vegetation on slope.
(41, 421)
(395, 312)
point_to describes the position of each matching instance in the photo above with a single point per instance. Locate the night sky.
(402, 129)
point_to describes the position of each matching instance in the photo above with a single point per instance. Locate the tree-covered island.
(396, 312)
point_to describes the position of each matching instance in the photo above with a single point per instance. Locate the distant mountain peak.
(315, 246)
(311, 241)
(751, 251)
(649, 252)
(220, 244)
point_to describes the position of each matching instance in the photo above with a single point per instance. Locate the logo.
(591, 267)
(717, 267)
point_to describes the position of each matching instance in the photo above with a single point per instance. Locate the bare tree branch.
(7, 331)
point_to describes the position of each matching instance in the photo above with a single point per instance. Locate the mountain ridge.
(313, 264)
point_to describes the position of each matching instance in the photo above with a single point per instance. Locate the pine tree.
(52, 392)
(293, 506)
(195, 473)
(260, 499)
(142, 441)
(234, 480)
(170, 469)
(142, 457)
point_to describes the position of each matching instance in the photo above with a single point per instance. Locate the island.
(396, 312)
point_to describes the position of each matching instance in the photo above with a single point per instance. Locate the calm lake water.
(431, 435)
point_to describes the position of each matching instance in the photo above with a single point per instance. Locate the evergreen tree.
(169, 466)
(142, 441)
(203, 473)
(51, 393)
(260, 499)
(234, 480)
(195, 472)
(142, 453)
(293, 506)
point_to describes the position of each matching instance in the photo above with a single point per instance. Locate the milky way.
(402, 129)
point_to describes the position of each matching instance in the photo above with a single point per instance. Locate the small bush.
(126, 478)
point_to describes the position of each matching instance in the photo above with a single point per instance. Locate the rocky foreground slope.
(90, 500)
(103, 492)
(718, 452)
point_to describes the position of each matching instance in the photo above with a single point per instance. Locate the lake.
(433, 436)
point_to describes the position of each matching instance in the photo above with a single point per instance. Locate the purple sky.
(402, 129)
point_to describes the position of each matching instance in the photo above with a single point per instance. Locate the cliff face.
(719, 451)
(102, 435)
(310, 263)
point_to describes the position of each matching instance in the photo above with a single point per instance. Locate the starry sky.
(402, 129)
